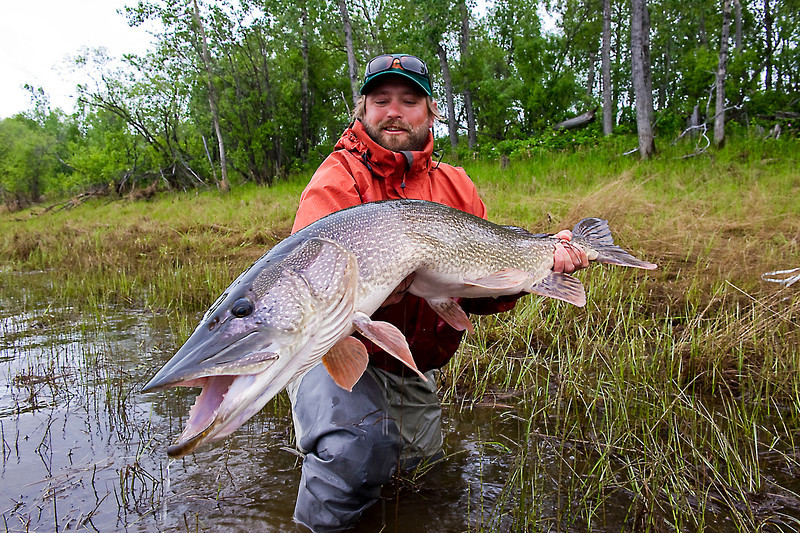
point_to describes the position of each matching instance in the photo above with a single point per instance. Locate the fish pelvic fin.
(452, 313)
(561, 287)
(346, 362)
(508, 278)
(596, 233)
(388, 337)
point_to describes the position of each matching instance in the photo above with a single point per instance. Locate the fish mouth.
(208, 356)
(224, 404)
(203, 414)
(230, 374)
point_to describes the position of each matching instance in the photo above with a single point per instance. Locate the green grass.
(668, 391)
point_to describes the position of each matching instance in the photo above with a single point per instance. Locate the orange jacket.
(361, 171)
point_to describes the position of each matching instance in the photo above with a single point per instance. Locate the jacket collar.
(385, 163)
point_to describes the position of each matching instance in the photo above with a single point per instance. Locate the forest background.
(250, 91)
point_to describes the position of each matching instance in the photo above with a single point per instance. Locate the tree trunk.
(719, 119)
(608, 106)
(452, 124)
(577, 122)
(224, 184)
(472, 136)
(305, 131)
(768, 44)
(737, 4)
(590, 74)
(351, 55)
(642, 81)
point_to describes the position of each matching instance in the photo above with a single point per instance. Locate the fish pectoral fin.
(346, 362)
(508, 278)
(562, 287)
(452, 313)
(388, 337)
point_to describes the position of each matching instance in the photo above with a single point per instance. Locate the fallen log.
(577, 122)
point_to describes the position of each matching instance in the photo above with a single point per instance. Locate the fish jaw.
(228, 401)
(225, 403)
(269, 328)
(206, 354)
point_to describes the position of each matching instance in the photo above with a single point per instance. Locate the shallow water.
(83, 449)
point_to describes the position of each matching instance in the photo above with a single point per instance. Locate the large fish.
(299, 303)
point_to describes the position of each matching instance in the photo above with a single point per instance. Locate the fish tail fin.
(596, 233)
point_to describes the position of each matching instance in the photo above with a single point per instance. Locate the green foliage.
(279, 72)
(546, 142)
(30, 158)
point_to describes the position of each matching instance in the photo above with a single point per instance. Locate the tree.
(719, 118)
(352, 65)
(472, 136)
(642, 80)
(608, 97)
(224, 184)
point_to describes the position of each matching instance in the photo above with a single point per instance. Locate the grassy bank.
(673, 390)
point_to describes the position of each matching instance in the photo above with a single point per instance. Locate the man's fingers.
(568, 259)
(561, 259)
(564, 234)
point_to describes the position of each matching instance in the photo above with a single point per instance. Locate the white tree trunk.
(352, 65)
(452, 124)
(722, 68)
(608, 105)
(224, 184)
(642, 81)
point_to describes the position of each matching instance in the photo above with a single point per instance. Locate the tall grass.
(667, 392)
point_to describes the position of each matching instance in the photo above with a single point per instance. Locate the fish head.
(272, 324)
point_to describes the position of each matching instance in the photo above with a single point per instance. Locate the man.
(355, 441)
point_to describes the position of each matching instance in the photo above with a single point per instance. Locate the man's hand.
(568, 258)
(399, 291)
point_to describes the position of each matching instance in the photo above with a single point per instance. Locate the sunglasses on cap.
(389, 61)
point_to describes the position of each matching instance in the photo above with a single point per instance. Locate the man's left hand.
(568, 258)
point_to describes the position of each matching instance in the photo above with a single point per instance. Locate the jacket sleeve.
(331, 189)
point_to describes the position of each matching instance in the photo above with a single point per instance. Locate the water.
(82, 449)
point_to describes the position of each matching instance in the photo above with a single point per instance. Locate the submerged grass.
(666, 396)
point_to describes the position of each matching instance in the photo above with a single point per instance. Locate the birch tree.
(472, 136)
(352, 64)
(205, 56)
(642, 79)
(608, 109)
(719, 118)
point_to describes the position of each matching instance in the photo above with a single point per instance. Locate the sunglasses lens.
(379, 64)
(414, 64)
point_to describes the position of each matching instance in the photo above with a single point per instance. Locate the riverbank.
(677, 390)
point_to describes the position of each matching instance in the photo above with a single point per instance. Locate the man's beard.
(414, 139)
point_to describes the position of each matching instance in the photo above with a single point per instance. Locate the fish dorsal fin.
(562, 287)
(346, 362)
(518, 230)
(594, 230)
(508, 278)
(452, 313)
(388, 338)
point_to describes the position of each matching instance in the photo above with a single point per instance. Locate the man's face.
(396, 115)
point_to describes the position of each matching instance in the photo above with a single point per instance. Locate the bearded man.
(355, 441)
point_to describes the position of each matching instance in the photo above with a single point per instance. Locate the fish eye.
(242, 308)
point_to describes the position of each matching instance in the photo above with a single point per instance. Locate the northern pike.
(300, 302)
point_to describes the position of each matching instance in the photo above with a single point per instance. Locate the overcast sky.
(36, 37)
